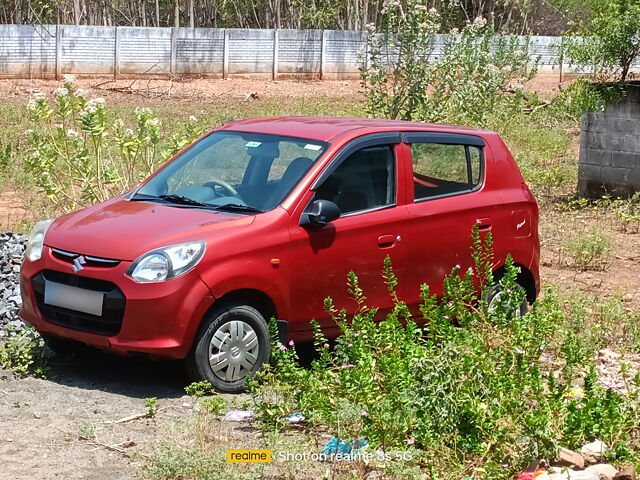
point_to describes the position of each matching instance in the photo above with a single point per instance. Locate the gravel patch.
(12, 246)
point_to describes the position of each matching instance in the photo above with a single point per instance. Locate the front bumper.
(160, 319)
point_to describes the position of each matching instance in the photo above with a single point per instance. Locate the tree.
(610, 31)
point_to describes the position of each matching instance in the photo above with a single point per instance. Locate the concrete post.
(116, 52)
(59, 51)
(225, 54)
(174, 42)
(323, 55)
(275, 53)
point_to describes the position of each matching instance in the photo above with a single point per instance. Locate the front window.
(363, 181)
(234, 171)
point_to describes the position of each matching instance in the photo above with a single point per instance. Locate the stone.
(583, 475)
(594, 452)
(604, 470)
(627, 473)
(569, 458)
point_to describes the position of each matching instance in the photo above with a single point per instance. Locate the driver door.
(363, 181)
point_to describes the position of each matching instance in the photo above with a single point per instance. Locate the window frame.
(392, 139)
(463, 140)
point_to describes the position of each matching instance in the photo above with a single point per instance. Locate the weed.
(88, 430)
(589, 252)
(151, 406)
(215, 405)
(24, 353)
(199, 389)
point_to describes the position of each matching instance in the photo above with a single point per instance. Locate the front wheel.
(232, 344)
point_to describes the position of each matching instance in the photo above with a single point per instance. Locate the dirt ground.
(209, 90)
(43, 422)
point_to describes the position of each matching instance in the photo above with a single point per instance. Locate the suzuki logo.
(78, 263)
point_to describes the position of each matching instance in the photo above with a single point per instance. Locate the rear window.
(444, 169)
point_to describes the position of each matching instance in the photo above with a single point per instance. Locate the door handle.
(484, 224)
(387, 241)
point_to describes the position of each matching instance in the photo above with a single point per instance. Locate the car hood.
(123, 230)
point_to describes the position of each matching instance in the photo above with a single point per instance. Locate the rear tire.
(494, 295)
(232, 344)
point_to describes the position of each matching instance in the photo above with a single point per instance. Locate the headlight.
(166, 263)
(36, 240)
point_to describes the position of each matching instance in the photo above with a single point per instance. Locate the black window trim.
(365, 141)
(463, 140)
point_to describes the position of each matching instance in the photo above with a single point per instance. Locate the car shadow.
(131, 376)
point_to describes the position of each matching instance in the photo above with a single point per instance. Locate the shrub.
(23, 352)
(482, 389)
(478, 77)
(589, 252)
(78, 153)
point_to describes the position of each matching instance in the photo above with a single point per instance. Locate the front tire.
(232, 344)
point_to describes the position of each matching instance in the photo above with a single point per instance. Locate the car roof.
(326, 129)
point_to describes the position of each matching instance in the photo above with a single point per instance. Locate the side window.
(363, 181)
(441, 169)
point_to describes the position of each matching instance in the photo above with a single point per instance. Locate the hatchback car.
(263, 218)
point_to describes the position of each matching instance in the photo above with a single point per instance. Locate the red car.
(263, 218)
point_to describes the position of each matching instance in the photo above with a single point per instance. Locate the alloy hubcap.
(233, 351)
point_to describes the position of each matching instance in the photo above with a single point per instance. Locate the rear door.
(448, 199)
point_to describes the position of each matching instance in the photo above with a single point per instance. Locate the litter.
(239, 416)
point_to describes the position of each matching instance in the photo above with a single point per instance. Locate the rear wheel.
(493, 299)
(232, 344)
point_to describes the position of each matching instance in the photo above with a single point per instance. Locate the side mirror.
(319, 213)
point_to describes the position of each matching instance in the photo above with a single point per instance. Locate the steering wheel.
(221, 183)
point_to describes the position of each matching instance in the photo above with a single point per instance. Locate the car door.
(447, 201)
(362, 180)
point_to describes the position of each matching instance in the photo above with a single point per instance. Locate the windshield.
(243, 172)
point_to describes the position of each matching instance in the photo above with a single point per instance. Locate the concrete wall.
(610, 148)
(53, 50)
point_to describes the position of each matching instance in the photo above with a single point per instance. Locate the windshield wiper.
(236, 207)
(182, 200)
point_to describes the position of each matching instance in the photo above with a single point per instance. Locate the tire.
(236, 338)
(495, 293)
(65, 348)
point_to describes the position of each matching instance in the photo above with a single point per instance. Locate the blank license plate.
(73, 298)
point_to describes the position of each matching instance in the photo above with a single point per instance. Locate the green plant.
(609, 35)
(216, 405)
(88, 430)
(77, 154)
(478, 78)
(199, 389)
(23, 352)
(482, 389)
(589, 252)
(5, 155)
(151, 406)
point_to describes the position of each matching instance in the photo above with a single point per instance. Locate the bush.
(79, 154)
(471, 389)
(589, 252)
(23, 352)
(478, 78)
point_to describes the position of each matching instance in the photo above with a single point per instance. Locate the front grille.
(91, 261)
(109, 323)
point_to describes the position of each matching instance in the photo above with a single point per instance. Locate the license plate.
(73, 298)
